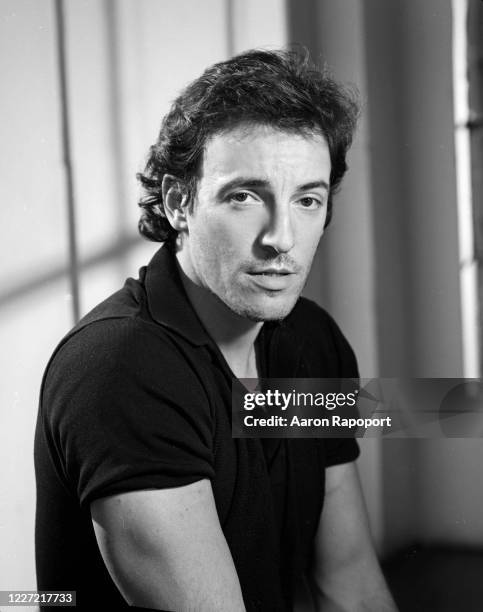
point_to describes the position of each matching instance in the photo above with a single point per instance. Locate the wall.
(450, 505)
(35, 291)
(428, 484)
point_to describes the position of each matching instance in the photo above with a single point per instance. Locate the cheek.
(222, 238)
(308, 242)
(314, 243)
(211, 250)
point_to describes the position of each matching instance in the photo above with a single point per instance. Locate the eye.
(309, 202)
(241, 197)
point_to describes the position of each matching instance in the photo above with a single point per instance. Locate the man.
(143, 495)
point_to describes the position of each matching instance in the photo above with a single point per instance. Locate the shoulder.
(322, 337)
(120, 350)
(117, 340)
(310, 320)
(118, 329)
(124, 378)
(308, 314)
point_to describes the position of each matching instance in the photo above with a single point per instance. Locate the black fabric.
(138, 396)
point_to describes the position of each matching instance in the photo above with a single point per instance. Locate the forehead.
(264, 152)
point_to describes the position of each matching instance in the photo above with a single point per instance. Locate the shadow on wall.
(50, 274)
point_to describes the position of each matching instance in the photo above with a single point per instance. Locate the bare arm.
(346, 576)
(165, 549)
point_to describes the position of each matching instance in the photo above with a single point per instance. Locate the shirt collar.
(167, 300)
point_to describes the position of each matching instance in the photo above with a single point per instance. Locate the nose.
(279, 233)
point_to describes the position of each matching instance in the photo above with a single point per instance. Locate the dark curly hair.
(282, 89)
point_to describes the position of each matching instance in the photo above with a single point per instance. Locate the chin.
(265, 312)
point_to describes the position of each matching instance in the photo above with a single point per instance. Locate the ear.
(175, 201)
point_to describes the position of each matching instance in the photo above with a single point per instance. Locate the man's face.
(258, 216)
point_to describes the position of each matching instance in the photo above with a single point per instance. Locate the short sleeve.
(122, 410)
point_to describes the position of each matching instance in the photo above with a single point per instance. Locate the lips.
(272, 272)
(269, 273)
(271, 279)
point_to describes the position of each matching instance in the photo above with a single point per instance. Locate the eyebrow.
(313, 185)
(253, 183)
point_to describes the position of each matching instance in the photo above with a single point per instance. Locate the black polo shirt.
(138, 396)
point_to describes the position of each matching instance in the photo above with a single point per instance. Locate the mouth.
(272, 279)
(272, 272)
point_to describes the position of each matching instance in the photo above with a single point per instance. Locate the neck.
(234, 335)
